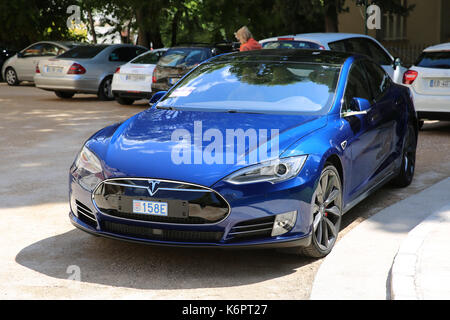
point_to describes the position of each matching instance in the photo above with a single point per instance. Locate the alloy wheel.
(11, 77)
(327, 210)
(107, 89)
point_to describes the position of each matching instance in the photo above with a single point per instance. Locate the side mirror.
(358, 106)
(156, 97)
(19, 54)
(397, 62)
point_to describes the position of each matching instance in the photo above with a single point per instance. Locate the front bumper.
(247, 224)
(263, 244)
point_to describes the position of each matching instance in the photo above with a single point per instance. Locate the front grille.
(160, 234)
(252, 229)
(187, 203)
(85, 214)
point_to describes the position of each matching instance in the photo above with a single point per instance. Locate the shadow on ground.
(122, 264)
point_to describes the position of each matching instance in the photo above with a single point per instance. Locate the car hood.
(167, 144)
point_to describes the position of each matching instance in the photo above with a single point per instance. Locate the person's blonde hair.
(243, 33)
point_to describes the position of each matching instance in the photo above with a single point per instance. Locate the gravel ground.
(41, 252)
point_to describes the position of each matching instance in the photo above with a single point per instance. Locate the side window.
(357, 46)
(379, 80)
(33, 51)
(50, 50)
(357, 87)
(337, 45)
(376, 52)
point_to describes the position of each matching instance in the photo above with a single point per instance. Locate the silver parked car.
(21, 66)
(84, 69)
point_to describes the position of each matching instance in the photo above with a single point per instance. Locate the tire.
(11, 77)
(406, 174)
(326, 210)
(420, 124)
(64, 95)
(125, 101)
(104, 90)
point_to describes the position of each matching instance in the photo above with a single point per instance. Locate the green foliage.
(27, 21)
(168, 22)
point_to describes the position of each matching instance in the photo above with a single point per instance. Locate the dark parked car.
(5, 54)
(178, 61)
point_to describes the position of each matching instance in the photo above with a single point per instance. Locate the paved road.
(40, 251)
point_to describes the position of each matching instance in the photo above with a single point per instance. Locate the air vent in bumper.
(161, 234)
(251, 229)
(85, 214)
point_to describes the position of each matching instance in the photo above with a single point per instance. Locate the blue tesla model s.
(254, 149)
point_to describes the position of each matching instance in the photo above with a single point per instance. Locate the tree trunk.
(175, 22)
(143, 38)
(149, 33)
(91, 26)
(331, 16)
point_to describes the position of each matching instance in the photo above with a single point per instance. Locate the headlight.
(271, 171)
(87, 169)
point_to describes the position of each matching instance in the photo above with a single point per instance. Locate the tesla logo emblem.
(153, 187)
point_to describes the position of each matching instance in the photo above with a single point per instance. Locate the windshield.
(290, 44)
(184, 57)
(260, 87)
(438, 60)
(150, 57)
(83, 52)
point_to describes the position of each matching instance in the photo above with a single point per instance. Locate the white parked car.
(133, 80)
(429, 81)
(347, 42)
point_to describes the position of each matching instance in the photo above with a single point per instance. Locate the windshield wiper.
(165, 108)
(238, 111)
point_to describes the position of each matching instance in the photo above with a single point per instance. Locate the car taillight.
(409, 76)
(154, 76)
(37, 69)
(76, 68)
(117, 70)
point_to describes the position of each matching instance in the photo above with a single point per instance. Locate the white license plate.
(440, 83)
(54, 69)
(135, 77)
(155, 208)
(172, 81)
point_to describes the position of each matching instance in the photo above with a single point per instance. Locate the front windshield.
(260, 87)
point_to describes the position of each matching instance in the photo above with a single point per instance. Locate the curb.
(405, 267)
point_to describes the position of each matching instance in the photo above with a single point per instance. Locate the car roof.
(291, 55)
(438, 47)
(322, 37)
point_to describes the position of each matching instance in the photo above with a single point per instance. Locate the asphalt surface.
(42, 256)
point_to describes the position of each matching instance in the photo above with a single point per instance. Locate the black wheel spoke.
(334, 211)
(331, 226)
